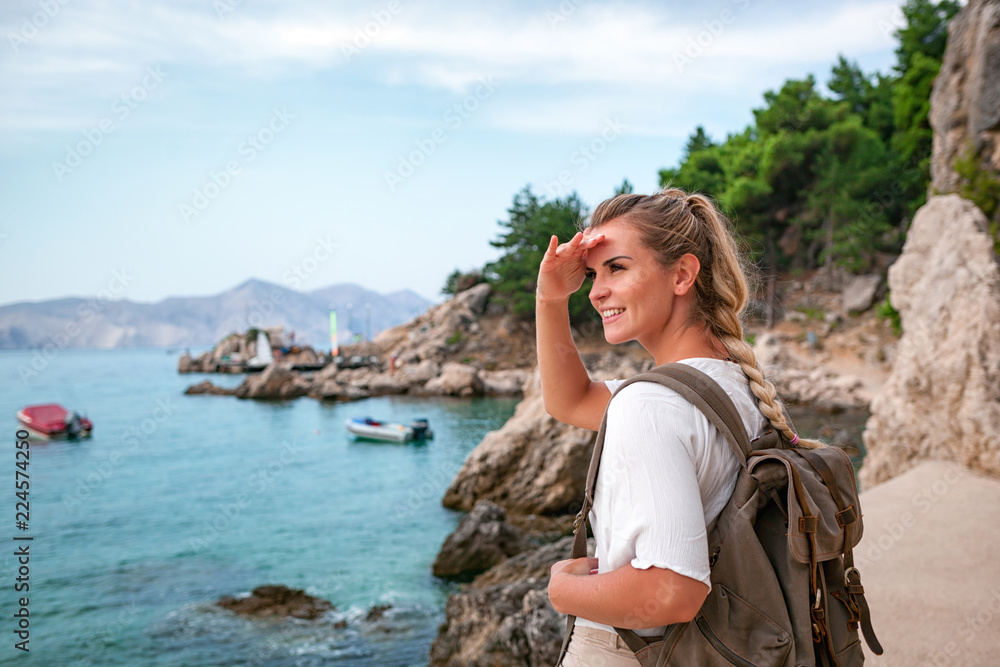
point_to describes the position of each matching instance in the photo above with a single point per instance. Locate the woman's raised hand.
(562, 270)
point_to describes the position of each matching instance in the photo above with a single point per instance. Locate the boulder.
(504, 616)
(277, 381)
(533, 464)
(504, 383)
(820, 389)
(859, 294)
(475, 298)
(942, 397)
(381, 384)
(420, 372)
(481, 540)
(455, 380)
(965, 100)
(206, 387)
(276, 600)
(186, 364)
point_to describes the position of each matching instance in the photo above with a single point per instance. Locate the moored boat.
(371, 429)
(52, 421)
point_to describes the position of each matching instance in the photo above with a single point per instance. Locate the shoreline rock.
(503, 617)
(482, 539)
(206, 387)
(276, 600)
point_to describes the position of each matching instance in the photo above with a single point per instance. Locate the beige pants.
(590, 647)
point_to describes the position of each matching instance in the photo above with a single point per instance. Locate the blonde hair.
(673, 223)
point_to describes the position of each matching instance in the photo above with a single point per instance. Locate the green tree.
(525, 236)
(625, 188)
(922, 42)
(459, 281)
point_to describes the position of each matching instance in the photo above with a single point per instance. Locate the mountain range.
(100, 322)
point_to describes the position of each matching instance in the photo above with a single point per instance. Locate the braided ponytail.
(674, 223)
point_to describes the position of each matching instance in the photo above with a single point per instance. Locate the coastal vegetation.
(821, 178)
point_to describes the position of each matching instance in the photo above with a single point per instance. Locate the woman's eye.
(589, 275)
(616, 268)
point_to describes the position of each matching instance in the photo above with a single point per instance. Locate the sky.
(152, 149)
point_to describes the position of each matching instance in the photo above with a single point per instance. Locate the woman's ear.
(686, 272)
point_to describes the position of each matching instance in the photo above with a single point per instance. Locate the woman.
(667, 273)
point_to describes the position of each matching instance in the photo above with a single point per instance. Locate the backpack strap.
(706, 395)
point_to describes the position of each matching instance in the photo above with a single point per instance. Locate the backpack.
(785, 592)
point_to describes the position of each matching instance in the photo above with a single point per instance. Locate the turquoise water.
(177, 501)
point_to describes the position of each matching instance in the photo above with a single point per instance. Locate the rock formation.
(455, 380)
(483, 539)
(504, 616)
(942, 397)
(859, 293)
(206, 387)
(277, 381)
(420, 358)
(533, 464)
(276, 600)
(965, 102)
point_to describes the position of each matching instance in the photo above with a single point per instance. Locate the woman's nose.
(598, 290)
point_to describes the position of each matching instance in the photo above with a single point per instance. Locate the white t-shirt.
(666, 474)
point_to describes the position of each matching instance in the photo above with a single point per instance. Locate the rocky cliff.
(942, 397)
(965, 102)
(533, 464)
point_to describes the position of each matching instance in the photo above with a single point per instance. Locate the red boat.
(54, 422)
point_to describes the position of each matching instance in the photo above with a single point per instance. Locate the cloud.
(650, 55)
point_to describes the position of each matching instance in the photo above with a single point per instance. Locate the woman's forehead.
(619, 239)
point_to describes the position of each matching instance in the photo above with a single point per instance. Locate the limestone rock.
(859, 294)
(277, 381)
(455, 380)
(277, 600)
(504, 383)
(481, 540)
(504, 616)
(419, 373)
(381, 384)
(475, 298)
(965, 101)
(819, 388)
(942, 397)
(533, 464)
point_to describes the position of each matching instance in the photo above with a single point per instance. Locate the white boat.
(263, 357)
(371, 429)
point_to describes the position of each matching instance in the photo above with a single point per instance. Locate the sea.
(177, 501)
